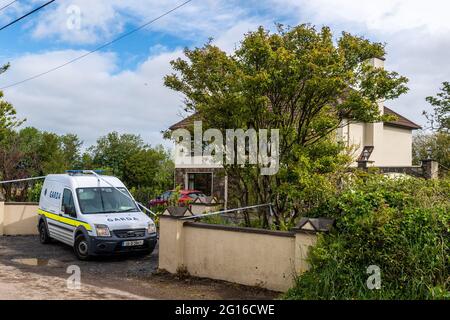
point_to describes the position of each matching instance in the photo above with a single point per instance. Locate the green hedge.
(401, 226)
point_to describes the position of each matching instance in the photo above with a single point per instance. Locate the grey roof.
(318, 224)
(179, 211)
(401, 121)
(186, 122)
(206, 200)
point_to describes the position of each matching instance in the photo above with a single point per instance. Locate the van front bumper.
(114, 245)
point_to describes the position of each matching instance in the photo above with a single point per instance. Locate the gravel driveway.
(30, 270)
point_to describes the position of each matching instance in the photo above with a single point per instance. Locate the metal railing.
(122, 192)
(229, 211)
(22, 180)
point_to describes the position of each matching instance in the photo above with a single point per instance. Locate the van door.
(63, 228)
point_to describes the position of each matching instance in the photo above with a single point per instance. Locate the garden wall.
(255, 257)
(18, 219)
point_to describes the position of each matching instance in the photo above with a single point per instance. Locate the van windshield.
(104, 200)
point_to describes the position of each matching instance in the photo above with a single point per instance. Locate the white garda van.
(94, 214)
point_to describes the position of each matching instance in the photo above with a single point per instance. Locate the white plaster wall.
(355, 138)
(396, 147)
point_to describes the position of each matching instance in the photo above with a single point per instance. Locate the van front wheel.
(43, 234)
(81, 248)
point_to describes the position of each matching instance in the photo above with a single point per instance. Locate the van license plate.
(133, 243)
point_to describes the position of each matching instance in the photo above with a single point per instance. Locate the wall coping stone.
(239, 229)
(21, 203)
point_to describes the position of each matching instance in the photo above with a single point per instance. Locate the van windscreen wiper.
(127, 210)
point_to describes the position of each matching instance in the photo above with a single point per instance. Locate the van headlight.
(102, 230)
(151, 227)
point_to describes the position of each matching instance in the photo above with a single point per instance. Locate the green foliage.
(298, 80)
(145, 170)
(216, 219)
(438, 142)
(29, 153)
(4, 68)
(174, 197)
(112, 151)
(402, 226)
(150, 167)
(35, 192)
(8, 119)
(311, 180)
(439, 120)
(236, 219)
(141, 194)
(439, 145)
(159, 209)
(71, 151)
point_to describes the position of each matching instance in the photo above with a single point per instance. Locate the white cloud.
(383, 15)
(230, 39)
(103, 19)
(96, 22)
(416, 33)
(423, 59)
(93, 96)
(90, 98)
(13, 11)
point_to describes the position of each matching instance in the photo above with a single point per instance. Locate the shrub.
(34, 193)
(142, 194)
(401, 226)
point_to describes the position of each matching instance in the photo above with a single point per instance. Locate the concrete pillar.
(304, 240)
(2, 218)
(186, 181)
(430, 169)
(171, 243)
(362, 165)
(226, 193)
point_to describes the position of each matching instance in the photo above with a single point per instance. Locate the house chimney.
(377, 62)
(373, 132)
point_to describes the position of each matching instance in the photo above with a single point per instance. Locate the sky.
(120, 88)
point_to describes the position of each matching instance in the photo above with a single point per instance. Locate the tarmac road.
(30, 270)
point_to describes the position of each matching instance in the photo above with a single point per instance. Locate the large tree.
(436, 143)
(298, 80)
(148, 171)
(149, 167)
(112, 150)
(439, 119)
(29, 153)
